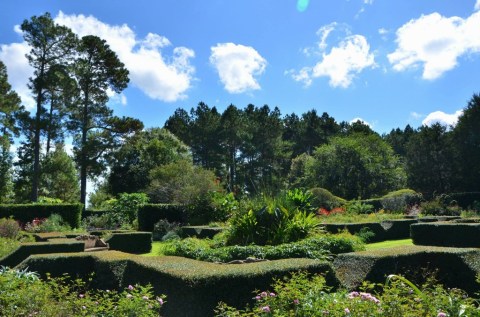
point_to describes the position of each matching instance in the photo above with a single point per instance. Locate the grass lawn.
(388, 244)
(157, 248)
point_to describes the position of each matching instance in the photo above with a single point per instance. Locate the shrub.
(400, 200)
(322, 198)
(272, 224)
(149, 214)
(201, 232)
(54, 223)
(187, 283)
(9, 228)
(358, 207)
(456, 267)
(24, 294)
(71, 213)
(162, 227)
(318, 247)
(306, 295)
(126, 206)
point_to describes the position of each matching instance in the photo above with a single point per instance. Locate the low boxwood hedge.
(27, 249)
(130, 242)
(447, 234)
(453, 267)
(150, 214)
(193, 288)
(71, 213)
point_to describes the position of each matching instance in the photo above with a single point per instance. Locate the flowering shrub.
(24, 294)
(304, 296)
(326, 212)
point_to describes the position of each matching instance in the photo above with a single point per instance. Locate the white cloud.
(238, 66)
(442, 118)
(477, 5)
(160, 77)
(361, 120)
(18, 69)
(416, 115)
(344, 61)
(435, 43)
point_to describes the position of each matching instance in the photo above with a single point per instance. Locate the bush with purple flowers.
(309, 296)
(55, 297)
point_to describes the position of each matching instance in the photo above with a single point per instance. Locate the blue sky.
(390, 63)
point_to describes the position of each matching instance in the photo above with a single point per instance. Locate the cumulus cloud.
(350, 57)
(18, 69)
(159, 77)
(477, 5)
(238, 66)
(361, 120)
(442, 118)
(435, 43)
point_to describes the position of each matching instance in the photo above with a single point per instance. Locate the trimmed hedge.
(447, 234)
(193, 288)
(130, 242)
(27, 249)
(464, 200)
(200, 232)
(150, 214)
(71, 213)
(385, 230)
(454, 267)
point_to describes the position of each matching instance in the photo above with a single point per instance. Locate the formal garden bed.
(260, 243)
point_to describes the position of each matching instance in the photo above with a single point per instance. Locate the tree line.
(247, 151)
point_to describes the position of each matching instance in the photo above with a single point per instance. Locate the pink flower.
(296, 301)
(160, 301)
(272, 294)
(81, 295)
(266, 309)
(441, 314)
(145, 297)
(263, 294)
(258, 297)
(347, 311)
(129, 295)
(130, 287)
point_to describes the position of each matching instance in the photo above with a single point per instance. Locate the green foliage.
(304, 295)
(187, 283)
(271, 225)
(448, 234)
(24, 294)
(162, 227)
(359, 218)
(7, 246)
(356, 165)
(54, 223)
(70, 213)
(456, 266)
(322, 198)
(399, 201)
(126, 206)
(9, 228)
(149, 214)
(59, 178)
(357, 207)
(441, 205)
(24, 250)
(318, 247)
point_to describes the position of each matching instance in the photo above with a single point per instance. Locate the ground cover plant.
(23, 293)
(315, 247)
(309, 296)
